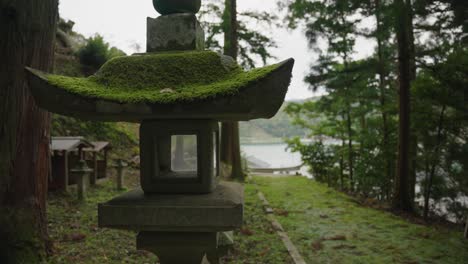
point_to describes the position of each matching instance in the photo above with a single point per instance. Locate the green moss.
(20, 240)
(331, 227)
(147, 78)
(67, 217)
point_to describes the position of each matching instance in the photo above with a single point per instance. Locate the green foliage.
(96, 52)
(440, 121)
(66, 26)
(67, 66)
(318, 156)
(188, 75)
(253, 44)
(360, 109)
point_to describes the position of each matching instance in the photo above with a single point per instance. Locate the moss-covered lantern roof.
(177, 85)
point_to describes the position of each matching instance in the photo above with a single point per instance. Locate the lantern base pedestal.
(178, 247)
(219, 211)
(186, 247)
(179, 228)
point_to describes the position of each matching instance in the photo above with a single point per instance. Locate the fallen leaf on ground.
(317, 245)
(264, 252)
(246, 232)
(281, 212)
(342, 246)
(335, 238)
(75, 225)
(75, 237)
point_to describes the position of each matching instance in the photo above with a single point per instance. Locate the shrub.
(95, 53)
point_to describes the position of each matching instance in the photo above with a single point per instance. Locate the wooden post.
(94, 175)
(105, 163)
(466, 228)
(120, 174)
(67, 170)
(81, 182)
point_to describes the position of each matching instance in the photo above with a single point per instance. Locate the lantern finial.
(167, 7)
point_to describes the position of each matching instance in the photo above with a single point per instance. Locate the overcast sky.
(123, 24)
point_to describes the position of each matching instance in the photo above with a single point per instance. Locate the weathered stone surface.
(221, 210)
(155, 154)
(120, 167)
(174, 33)
(178, 247)
(165, 7)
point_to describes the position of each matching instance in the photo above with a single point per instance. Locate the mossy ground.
(77, 239)
(326, 226)
(162, 78)
(330, 227)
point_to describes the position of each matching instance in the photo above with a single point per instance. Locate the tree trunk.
(402, 196)
(383, 102)
(466, 228)
(237, 171)
(412, 62)
(343, 146)
(179, 160)
(226, 143)
(230, 143)
(435, 163)
(350, 149)
(27, 33)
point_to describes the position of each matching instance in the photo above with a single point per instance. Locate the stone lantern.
(178, 92)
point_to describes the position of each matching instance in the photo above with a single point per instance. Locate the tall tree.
(228, 31)
(382, 35)
(253, 43)
(431, 61)
(230, 142)
(27, 33)
(333, 23)
(402, 199)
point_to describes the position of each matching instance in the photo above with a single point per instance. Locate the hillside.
(122, 136)
(271, 130)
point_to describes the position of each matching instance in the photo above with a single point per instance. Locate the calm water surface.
(275, 155)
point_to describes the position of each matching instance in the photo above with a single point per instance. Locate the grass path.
(330, 227)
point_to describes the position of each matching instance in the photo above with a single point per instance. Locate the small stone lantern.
(178, 92)
(120, 166)
(81, 172)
